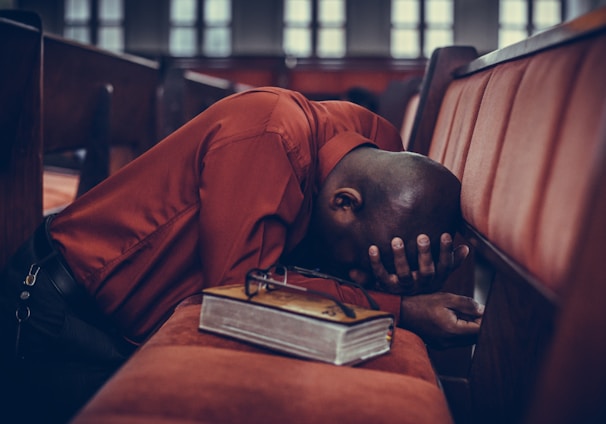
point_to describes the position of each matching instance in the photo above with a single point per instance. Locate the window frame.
(200, 26)
(94, 24)
(529, 27)
(422, 27)
(315, 26)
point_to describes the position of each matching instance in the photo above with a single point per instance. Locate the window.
(405, 24)
(298, 28)
(318, 27)
(200, 26)
(439, 22)
(519, 19)
(418, 27)
(77, 20)
(183, 31)
(111, 32)
(98, 22)
(331, 28)
(217, 27)
(314, 28)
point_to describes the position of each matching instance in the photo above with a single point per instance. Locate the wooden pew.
(437, 77)
(73, 75)
(100, 101)
(396, 103)
(20, 129)
(410, 112)
(524, 129)
(67, 175)
(184, 94)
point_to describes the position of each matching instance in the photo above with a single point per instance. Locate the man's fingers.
(445, 262)
(399, 258)
(450, 259)
(429, 276)
(378, 269)
(426, 265)
(467, 328)
(465, 307)
(460, 254)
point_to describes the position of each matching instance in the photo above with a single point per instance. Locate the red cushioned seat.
(184, 375)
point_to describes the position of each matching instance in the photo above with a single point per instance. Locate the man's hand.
(442, 319)
(428, 278)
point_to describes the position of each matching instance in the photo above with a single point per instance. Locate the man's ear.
(346, 200)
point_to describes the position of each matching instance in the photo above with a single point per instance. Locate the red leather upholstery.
(183, 375)
(522, 137)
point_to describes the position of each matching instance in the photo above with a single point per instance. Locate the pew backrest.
(438, 75)
(410, 112)
(20, 129)
(396, 98)
(96, 101)
(186, 93)
(74, 76)
(524, 129)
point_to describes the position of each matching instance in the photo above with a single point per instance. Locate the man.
(233, 189)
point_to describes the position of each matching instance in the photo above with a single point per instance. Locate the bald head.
(373, 196)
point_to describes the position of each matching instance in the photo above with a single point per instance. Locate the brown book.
(298, 323)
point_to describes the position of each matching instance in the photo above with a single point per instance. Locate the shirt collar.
(335, 149)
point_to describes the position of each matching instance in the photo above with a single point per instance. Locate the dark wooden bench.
(397, 103)
(439, 74)
(116, 106)
(106, 104)
(184, 94)
(102, 102)
(524, 129)
(20, 129)
(72, 169)
(73, 75)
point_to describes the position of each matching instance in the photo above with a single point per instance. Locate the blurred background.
(320, 47)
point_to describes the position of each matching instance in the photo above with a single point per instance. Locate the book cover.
(297, 323)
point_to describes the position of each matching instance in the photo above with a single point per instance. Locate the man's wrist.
(402, 319)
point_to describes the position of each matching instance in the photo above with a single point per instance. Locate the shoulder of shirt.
(274, 110)
(274, 90)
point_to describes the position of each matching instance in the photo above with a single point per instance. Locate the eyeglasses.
(277, 276)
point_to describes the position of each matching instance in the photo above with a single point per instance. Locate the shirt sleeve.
(250, 195)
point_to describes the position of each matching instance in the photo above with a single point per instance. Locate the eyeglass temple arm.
(349, 312)
(310, 273)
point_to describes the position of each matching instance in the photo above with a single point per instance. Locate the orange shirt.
(231, 190)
